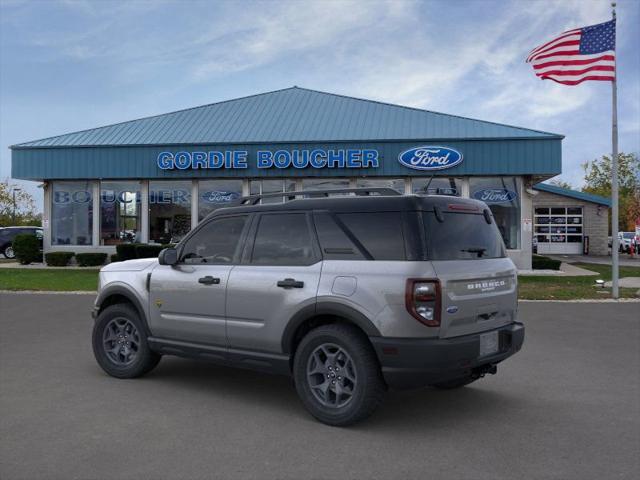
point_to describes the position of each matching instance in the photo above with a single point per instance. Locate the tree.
(25, 207)
(558, 182)
(597, 180)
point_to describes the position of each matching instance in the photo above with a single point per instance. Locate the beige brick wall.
(595, 225)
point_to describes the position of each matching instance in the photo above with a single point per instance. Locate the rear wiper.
(479, 250)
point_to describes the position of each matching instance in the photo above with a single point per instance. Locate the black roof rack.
(255, 199)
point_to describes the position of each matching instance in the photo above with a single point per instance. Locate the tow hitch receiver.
(483, 370)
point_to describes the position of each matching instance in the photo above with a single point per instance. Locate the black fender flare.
(120, 290)
(326, 308)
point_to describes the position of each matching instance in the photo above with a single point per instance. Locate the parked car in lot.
(625, 241)
(349, 295)
(7, 234)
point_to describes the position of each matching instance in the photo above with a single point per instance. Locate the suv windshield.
(462, 236)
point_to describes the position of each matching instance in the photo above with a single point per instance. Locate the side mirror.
(168, 256)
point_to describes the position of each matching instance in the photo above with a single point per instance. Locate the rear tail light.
(422, 299)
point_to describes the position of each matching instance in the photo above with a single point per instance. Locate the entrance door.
(559, 230)
(280, 279)
(187, 300)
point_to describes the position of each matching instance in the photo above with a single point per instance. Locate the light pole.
(14, 203)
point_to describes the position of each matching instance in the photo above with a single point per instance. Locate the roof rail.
(255, 199)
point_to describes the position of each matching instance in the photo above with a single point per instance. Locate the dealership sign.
(265, 159)
(159, 196)
(495, 195)
(430, 158)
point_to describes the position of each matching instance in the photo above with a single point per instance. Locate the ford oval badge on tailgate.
(430, 158)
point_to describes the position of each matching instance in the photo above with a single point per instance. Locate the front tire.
(120, 343)
(337, 375)
(8, 252)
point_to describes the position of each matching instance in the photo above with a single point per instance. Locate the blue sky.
(72, 65)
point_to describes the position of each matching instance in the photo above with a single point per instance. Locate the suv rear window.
(462, 236)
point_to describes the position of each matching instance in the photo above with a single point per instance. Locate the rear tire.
(120, 343)
(456, 383)
(337, 375)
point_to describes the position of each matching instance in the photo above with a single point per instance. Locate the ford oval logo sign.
(495, 195)
(219, 197)
(430, 158)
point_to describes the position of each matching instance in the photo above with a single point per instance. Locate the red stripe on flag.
(576, 82)
(574, 62)
(600, 68)
(557, 45)
(565, 34)
(569, 51)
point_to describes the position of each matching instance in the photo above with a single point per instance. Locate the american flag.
(587, 53)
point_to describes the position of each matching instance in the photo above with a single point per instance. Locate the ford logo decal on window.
(430, 158)
(219, 197)
(495, 195)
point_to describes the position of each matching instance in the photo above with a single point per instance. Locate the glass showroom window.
(257, 187)
(71, 213)
(395, 183)
(437, 186)
(119, 212)
(324, 183)
(169, 211)
(214, 194)
(502, 196)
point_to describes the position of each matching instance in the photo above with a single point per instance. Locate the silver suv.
(350, 295)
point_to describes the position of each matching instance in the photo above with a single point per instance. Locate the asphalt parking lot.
(566, 407)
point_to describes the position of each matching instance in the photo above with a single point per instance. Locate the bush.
(545, 263)
(27, 248)
(126, 251)
(129, 251)
(58, 259)
(91, 259)
(114, 258)
(148, 251)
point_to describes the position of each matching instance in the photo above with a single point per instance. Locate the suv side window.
(334, 240)
(380, 233)
(217, 242)
(283, 239)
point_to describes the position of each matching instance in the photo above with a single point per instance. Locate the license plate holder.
(489, 344)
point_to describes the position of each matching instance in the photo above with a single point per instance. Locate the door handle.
(209, 280)
(290, 283)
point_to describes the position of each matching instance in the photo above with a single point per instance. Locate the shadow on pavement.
(412, 409)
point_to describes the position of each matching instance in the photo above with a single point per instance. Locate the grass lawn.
(531, 287)
(568, 288)
(48, 279)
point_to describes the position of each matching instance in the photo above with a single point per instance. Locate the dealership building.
(153, 179)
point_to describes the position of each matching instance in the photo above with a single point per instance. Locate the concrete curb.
(586, 300)
(47, 292)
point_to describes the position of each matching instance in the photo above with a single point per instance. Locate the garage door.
(558, 229)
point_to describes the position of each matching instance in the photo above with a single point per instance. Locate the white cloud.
(285, 29)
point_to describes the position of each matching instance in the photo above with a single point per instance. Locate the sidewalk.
(39, 266)
(566, 270)
(624, 259)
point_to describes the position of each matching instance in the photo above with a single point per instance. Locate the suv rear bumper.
(411, 363)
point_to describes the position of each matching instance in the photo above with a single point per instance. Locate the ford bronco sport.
(350, 295)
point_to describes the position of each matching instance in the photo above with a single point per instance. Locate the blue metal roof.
(289, 116)
(565, 192)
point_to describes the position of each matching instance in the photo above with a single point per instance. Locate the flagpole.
(614, 177)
